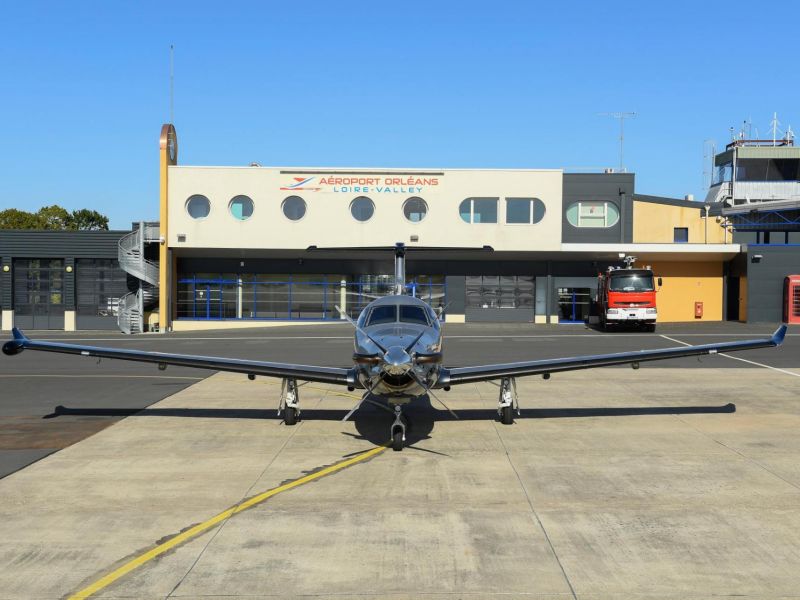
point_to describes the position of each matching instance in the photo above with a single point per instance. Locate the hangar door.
(39, 293)
(100, 283)
(500, 298)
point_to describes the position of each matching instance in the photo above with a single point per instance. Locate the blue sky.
(418, 84)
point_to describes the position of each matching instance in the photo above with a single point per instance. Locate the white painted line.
(752, 362)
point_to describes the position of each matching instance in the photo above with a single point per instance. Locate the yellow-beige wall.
(655, 224)
(685, 283)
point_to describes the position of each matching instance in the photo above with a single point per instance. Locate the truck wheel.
(651, 328)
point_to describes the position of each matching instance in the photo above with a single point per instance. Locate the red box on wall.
(791, 299)
(698, 310)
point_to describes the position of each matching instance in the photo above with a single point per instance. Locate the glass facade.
(291, 297)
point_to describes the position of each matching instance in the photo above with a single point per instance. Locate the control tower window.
(362, 209)
(768, 169)
(478, 210)
(241, 207)
(294, 208)
(198, 206)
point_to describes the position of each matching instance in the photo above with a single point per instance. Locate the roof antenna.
(172, 84)
(621, 116)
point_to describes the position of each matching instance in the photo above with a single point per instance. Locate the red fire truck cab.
(627, 295)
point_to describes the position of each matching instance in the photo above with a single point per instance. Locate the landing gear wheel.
(397, 440)
(507, 415)
(290, 415)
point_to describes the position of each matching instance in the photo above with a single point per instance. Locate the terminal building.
(250, 246)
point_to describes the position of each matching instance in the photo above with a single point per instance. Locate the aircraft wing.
(335, 375)
(459, 375)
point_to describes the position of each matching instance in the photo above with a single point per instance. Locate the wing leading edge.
(459, 375)
(333, 375)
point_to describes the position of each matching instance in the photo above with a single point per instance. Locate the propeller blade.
(358, 329)
(416, 339)
(431, 394)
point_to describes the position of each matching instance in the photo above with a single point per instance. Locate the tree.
(12, 218)
(85, 219)
(54, 217)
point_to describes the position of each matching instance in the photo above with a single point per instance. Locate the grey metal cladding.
(607, 187)
(59, 244)
(765, 281)
(5, 283)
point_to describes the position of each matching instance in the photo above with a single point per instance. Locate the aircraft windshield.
(631, 282)
(383, 314)
(413, 314)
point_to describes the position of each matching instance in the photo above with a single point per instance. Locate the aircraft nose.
(396, 361)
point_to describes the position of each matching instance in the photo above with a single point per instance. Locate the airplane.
(398, 358)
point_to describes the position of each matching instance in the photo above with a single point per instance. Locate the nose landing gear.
(398, 430)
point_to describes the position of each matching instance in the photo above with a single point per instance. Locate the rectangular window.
(484, 210)
(681, 235)
(518, 210)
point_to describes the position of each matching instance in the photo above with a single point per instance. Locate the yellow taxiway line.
(195, 531)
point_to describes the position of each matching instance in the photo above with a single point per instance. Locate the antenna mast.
(621, 116)
(172, 84)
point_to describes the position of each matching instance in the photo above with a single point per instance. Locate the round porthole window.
(362, 209)
(241, 207)
(294, 208)
(415, 209)
(198, 206)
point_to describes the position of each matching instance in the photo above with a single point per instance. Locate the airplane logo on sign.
(299, 183)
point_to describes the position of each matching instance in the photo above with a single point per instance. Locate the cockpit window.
(383, 314)
(413, 314)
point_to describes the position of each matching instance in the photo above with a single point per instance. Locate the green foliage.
(12, 218)
(53, 218)
(85, 219)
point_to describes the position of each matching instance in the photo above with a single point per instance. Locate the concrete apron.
(635, 492)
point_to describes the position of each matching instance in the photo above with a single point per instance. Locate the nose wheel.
(398, 430)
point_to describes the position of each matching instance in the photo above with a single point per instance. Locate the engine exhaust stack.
(399, 268)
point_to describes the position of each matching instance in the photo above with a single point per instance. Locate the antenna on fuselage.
(399, 268)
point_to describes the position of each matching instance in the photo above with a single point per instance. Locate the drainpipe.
(707, 208)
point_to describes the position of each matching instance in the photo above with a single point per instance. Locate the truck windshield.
(631, 282)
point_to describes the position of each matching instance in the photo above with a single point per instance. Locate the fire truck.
(627, 295)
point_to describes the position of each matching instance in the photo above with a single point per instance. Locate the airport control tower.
(764, 194)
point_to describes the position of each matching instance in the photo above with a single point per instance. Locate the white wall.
(328, 221)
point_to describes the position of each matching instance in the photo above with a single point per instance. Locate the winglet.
(779, 335)
(16, 345)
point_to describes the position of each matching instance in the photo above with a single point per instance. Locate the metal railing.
(131, 256)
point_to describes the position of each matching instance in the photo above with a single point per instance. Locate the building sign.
(362, 184)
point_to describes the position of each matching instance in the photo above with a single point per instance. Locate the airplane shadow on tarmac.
(372, 424)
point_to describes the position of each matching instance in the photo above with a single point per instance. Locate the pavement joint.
(535, 514)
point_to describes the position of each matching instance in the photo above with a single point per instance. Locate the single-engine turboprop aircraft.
(398, 357)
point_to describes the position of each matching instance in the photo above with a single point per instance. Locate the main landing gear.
(290, 402)
(508, 402)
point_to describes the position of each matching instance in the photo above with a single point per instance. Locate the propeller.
(358, 329)
(430, 393)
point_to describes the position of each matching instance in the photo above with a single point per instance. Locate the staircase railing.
(131, 250)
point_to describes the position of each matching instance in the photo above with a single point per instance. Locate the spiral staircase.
(142, 276)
